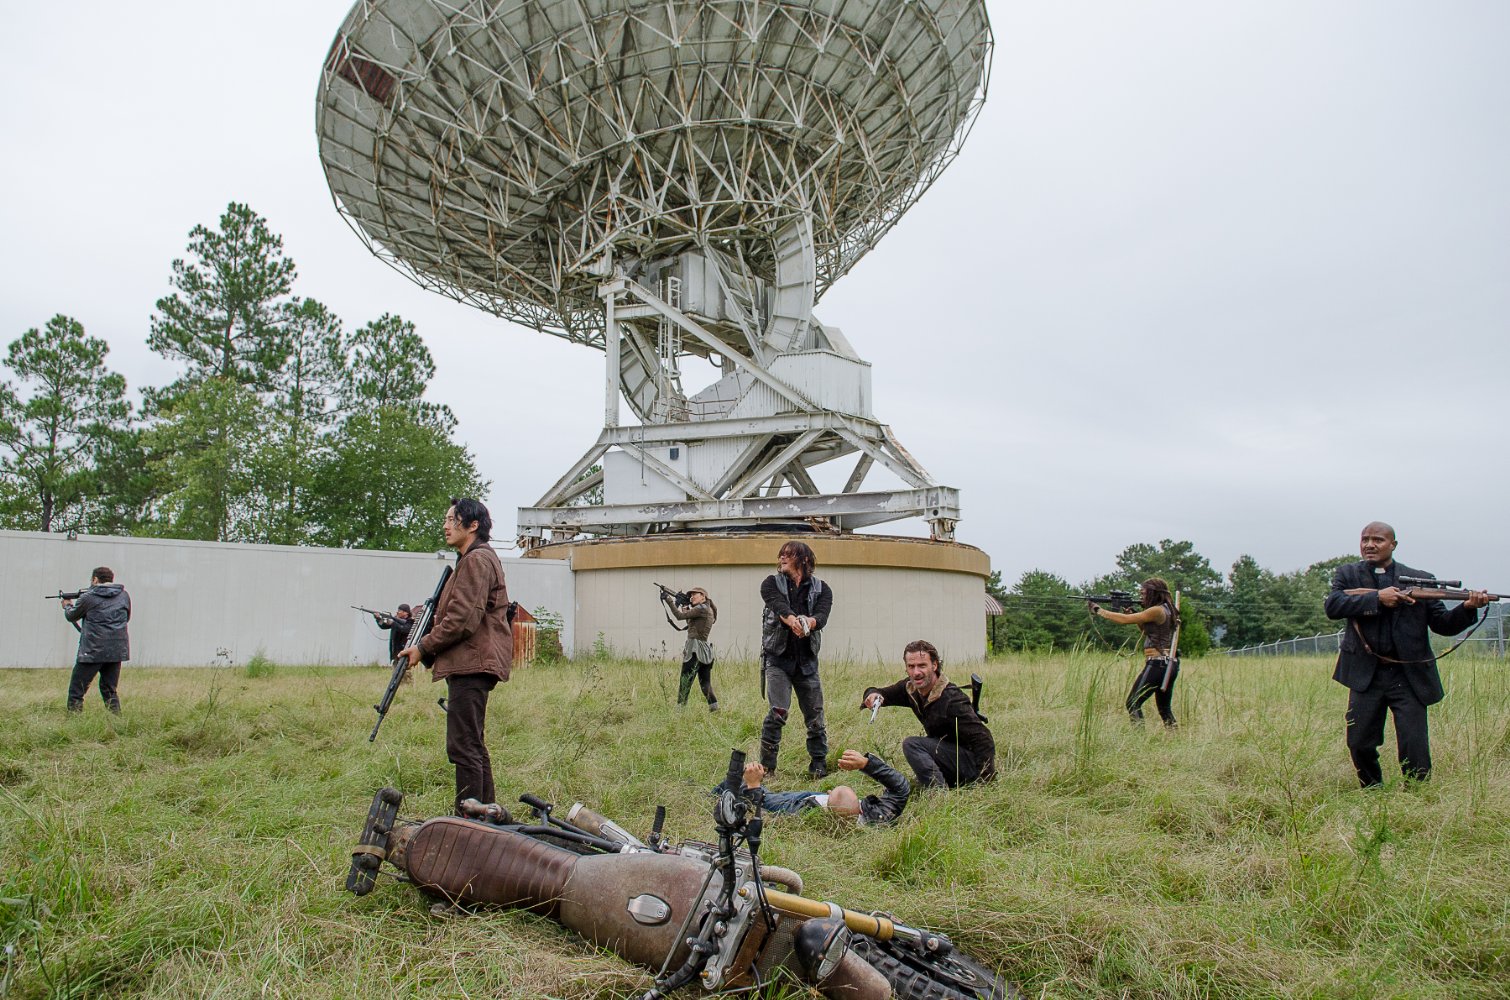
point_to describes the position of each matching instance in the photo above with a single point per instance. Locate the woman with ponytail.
(1159, 622)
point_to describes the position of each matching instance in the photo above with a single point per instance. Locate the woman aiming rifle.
(697, 655)
(1159, 622)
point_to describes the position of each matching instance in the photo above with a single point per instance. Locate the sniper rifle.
(1425, 588)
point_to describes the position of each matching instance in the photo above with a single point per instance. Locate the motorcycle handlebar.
(535, 802)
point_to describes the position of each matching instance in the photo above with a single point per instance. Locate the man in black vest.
(1385, 659)
(796, 609)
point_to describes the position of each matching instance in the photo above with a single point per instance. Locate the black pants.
(1387, 692)
(779, 686)
(83, 676)
(939, 763)
(1151, 683)
(704, 674)
(466, 744)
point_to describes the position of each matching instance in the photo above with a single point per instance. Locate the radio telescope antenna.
(660, 181)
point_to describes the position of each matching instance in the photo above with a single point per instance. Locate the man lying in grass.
(873, 810)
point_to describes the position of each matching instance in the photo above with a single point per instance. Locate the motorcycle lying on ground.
(692, 911)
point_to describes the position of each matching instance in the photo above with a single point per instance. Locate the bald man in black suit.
(1386, 660)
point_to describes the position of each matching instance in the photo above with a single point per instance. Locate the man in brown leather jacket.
(470, 646)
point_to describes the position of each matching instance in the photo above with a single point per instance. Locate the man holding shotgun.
(1385, 659)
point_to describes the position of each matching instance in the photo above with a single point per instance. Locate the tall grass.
(196, 845)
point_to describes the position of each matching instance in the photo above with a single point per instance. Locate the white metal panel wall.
(877, 611)
(760, 400)
(198, 603)
(830, 380)
(627, 479)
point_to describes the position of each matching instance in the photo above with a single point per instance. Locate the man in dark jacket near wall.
(1385, 660)
(958, 748)
(470, 646)
(398, 625)
(100, 615)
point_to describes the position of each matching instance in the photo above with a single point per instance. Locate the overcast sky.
(1231, 272)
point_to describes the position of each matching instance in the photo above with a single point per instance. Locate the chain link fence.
(1488, 640)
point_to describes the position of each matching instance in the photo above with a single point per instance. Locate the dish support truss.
(793, 395)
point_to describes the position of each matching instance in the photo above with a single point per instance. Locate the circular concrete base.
(887, 592)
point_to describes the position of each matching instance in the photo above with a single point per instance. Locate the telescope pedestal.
(739, 453)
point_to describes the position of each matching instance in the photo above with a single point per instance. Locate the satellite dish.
(661, 180)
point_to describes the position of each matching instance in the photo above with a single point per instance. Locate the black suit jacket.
(1408, 627)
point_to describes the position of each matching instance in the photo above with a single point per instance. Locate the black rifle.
(975, 685)
(421, 628)
(68, 595)
(678, 598)
(1117, 600)
(379, 615)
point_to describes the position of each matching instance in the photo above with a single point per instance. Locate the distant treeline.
(281, 427)
(1251, 605)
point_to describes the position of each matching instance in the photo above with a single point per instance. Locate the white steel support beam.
(558, 492)
(749, 454)
(781, 423)
(858, 476)
(799, 478)
(934, 503)
(906, 473)
(611, 373)
(751, 480)
(903, 454)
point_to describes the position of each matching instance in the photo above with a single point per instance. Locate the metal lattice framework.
(541, 159)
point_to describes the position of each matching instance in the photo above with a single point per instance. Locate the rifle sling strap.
(671, 621)
(1358, 631)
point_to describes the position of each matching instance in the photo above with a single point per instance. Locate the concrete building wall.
(206, 603)
(887, 592)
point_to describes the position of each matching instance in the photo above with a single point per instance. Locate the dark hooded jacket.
(101, 613)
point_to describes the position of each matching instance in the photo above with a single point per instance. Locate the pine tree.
(60, 432)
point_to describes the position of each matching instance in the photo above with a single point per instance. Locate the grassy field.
(196, 845)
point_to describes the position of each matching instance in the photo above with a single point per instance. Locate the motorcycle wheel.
(914, 976)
